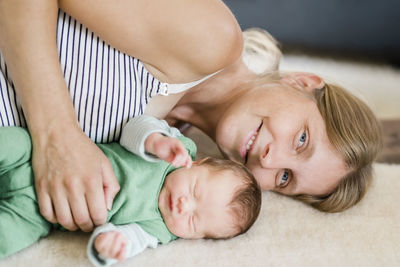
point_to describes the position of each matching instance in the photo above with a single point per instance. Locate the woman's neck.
(204, 104)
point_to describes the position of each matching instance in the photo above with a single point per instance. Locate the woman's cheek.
(264, 178)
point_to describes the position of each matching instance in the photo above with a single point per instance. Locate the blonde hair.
(355, 132)
(261, 51)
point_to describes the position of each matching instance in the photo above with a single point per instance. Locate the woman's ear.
(307, 81)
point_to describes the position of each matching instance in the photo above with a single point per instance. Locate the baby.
(158, 202)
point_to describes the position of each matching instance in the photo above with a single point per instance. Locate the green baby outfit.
(20, 221)
(137, 201)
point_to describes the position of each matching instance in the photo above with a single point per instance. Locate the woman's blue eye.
(303, 139)
(285, 176)
(284, 179)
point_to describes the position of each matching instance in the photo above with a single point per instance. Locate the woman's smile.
(249, 143)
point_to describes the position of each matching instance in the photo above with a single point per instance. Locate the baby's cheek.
(178, 228)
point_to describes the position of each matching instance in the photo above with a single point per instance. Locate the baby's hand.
(111, 245)
(169, 149)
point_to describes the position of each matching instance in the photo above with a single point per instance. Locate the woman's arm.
(180, 40)
(70, 171)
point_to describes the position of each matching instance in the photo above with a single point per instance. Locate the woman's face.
(279, 134)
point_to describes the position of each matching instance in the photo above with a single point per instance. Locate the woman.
(298, 135)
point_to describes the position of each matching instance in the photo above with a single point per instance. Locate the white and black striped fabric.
(107, 87)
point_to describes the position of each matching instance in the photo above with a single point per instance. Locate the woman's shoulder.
(181, 40)
(202, 37)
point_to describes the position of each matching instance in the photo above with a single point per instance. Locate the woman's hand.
(111, 245)
(74, 180)
(168, 149)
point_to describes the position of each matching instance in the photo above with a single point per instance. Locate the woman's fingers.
(45, 202)
(110, 184)
(96, 202)
(63, 210)
(80, 213)
(53, 202)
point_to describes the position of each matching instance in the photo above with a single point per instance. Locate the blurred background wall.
(353, 27)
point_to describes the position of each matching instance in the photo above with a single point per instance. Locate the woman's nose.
(273, 158)
(185, 205)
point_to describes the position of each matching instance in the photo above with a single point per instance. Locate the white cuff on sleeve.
(138, 241)
(136, 131)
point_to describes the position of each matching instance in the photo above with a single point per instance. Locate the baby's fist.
(111, 245)
(169, 149)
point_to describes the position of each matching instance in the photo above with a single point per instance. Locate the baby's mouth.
(251, 142)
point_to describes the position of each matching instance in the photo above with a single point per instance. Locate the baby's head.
(215, 199)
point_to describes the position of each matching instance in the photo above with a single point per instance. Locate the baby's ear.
(199, 162)
(306, 81)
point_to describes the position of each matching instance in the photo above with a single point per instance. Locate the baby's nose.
(185, 205)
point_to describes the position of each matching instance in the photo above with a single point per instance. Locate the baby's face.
(194, 202)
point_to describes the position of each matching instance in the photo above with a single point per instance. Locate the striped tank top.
(107, 87)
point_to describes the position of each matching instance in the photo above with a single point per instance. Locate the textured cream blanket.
(287, 232)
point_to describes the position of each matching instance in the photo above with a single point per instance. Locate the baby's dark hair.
(246, 202)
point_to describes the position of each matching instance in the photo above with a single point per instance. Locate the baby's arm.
(154, 139)
(168, 149)
(110, 244)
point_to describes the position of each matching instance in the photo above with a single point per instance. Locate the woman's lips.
(248, 143)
